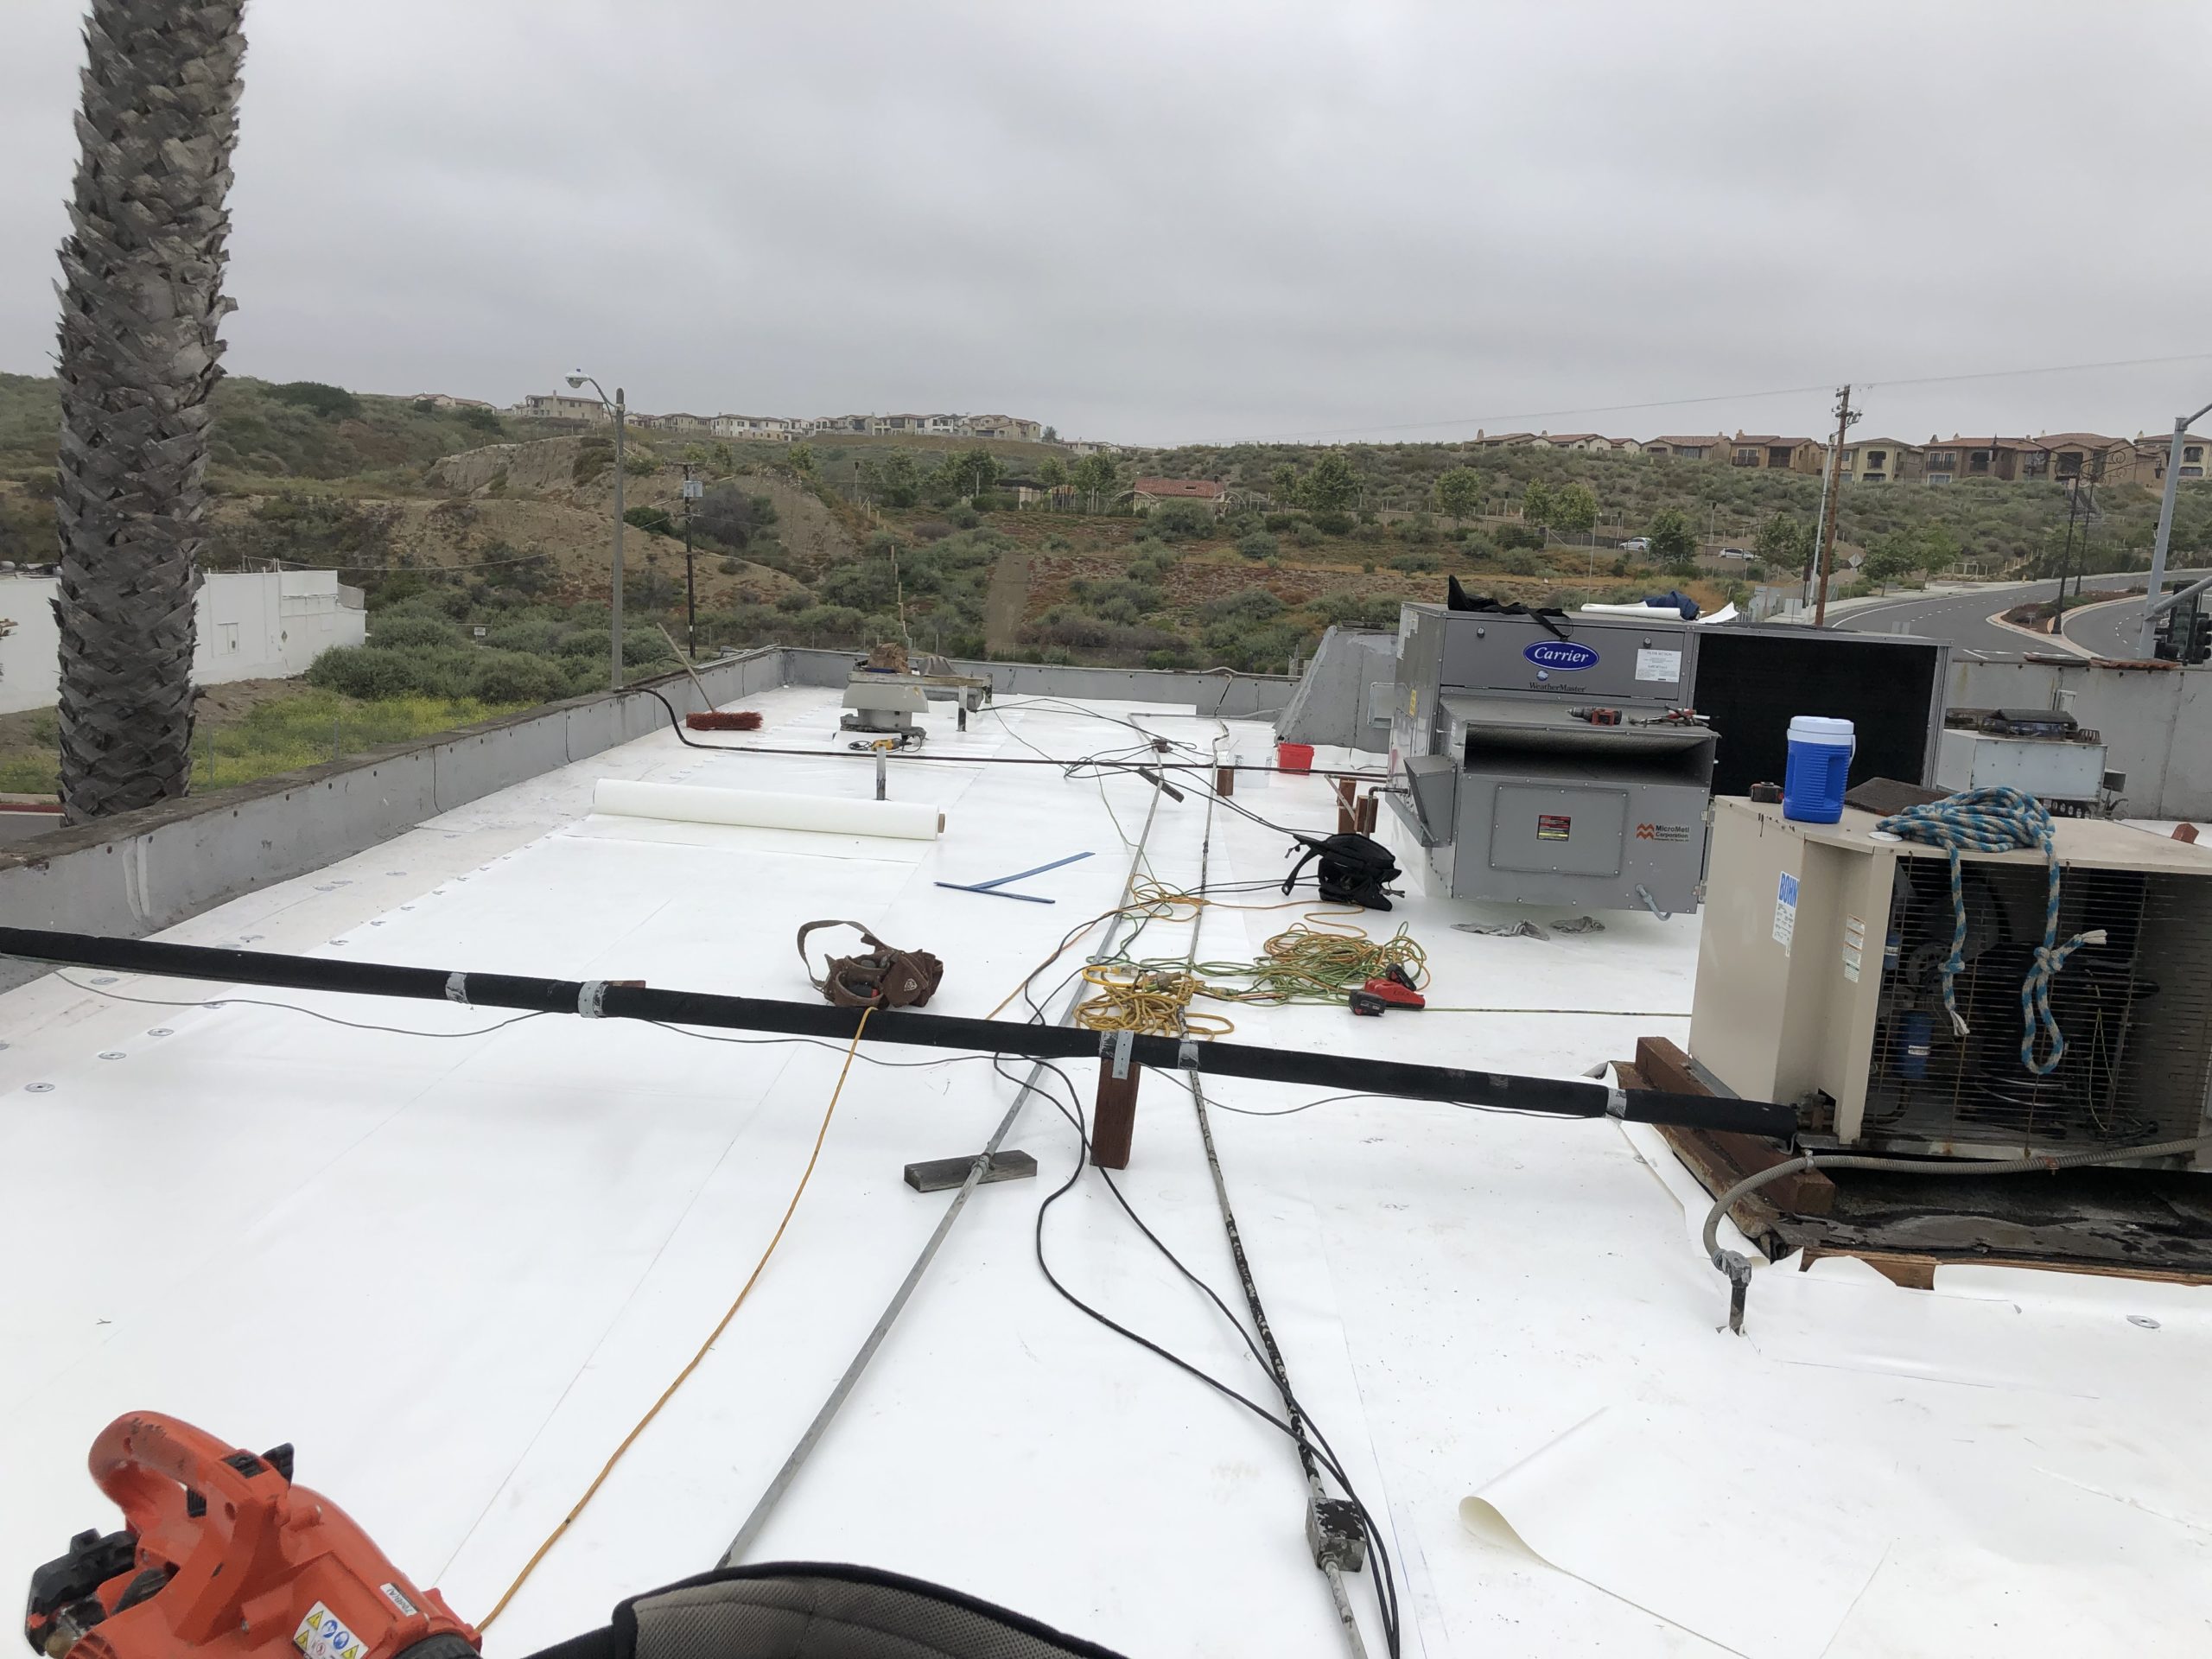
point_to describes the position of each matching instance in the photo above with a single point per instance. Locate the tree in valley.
(1282, 484)
(1536, 504)
(1785, 542)
(974, 471)
(1673, 543)
(1574, 510)
(1459, 493)
(1334, 484)
(1051, 473)
(1096, 476)
(142, 299)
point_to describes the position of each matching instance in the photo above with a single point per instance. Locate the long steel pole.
(1824, 533)
(2146, 636)
(614, 601)
(776, 1488)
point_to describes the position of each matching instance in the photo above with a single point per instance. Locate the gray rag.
(1580, 924)
(1503, 929)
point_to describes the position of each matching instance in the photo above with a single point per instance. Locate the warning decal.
(1554, 826)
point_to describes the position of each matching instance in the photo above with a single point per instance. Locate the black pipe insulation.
(604, 1000)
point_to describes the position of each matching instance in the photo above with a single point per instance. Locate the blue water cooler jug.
(1819, 769)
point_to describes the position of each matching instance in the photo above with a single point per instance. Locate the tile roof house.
(1707, 447)
(1772, 453)
(1151, 491)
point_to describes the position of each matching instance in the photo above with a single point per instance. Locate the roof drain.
(764, 1506)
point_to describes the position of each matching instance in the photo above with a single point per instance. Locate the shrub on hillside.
(1180, 521)
(1257, 545)
(965, 518)
(331, 403)
(1510, 535)
(1416, 562)
(411, 631)
(1306, 533)
(514, 677)
(364, 671)
(1519, 563)
(1332, 523)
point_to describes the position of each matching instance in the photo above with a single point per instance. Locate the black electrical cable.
(294, 1007)
(1386, 1587)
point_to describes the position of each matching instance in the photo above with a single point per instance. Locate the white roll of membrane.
(695, 803)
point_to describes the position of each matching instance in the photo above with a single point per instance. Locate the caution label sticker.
(321, 1637)
(1554, 826)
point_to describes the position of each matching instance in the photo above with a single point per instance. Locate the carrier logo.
(1561, 654)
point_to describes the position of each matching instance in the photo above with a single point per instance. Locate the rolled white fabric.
(693, 803)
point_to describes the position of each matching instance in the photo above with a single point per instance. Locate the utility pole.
(691, 492)
(1824, 539)
(577, 382)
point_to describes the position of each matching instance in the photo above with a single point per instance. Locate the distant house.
(698, 424)
(1946, 460)
(1771, 454)
(446, 400)
(1584, 440)
(561, 406)
(1149, 492)
(1879, 460)
(1695, 447)
(754, 429)
(2150, 455)
(2089, 456)
(1624, 446)
(841, 424)
(1502, 440)
(1093, 447)
(1005, 426)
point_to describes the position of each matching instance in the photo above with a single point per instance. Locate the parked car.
(1636, 545)
(1734, 553)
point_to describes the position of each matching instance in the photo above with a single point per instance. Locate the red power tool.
(1392, 988)
(221, 1554)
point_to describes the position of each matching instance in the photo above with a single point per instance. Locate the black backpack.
(1355, 869)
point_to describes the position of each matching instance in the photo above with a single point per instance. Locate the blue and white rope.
(1997, 821)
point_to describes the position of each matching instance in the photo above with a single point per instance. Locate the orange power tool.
(220, 1554)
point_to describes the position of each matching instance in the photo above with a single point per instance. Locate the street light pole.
(690, 581)
(614, 607)
(2146, 638)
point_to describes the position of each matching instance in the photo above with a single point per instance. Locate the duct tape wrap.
(457, 988)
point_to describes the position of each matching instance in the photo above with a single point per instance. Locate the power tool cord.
(713, 1336)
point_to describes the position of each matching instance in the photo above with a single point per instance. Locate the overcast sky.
(1193, 220)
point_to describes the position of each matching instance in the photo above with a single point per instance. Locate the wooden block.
(1900, 1268)
(1224, 780)
(1113, 1116)
(1721, 1158)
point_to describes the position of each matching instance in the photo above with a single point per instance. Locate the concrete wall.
(251, 625)
(1220, 692)
(141, 872)
(2157, 724)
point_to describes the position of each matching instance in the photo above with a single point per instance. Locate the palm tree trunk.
(141, 296)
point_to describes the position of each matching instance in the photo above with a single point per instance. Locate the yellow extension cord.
(713, 1336)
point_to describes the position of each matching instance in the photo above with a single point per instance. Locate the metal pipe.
(601, 999)
(765, 1505)
(614, 597)
(2146, 636)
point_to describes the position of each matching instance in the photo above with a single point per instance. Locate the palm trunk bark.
(141, 297)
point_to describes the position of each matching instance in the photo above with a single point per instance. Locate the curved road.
(1963, 618)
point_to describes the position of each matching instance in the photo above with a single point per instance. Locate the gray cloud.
(1185, 221)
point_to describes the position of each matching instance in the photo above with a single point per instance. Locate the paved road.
(2110, 630)
(1962, 617)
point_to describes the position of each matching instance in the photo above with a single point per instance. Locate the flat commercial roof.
(455, 1268)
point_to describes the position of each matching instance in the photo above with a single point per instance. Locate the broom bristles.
(716, 720)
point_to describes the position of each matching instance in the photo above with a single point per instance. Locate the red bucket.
(1294, 756)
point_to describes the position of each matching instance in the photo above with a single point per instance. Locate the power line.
(1727, 398)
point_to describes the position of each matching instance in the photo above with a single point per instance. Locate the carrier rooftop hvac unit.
(1820, 973)
(1546, 760)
